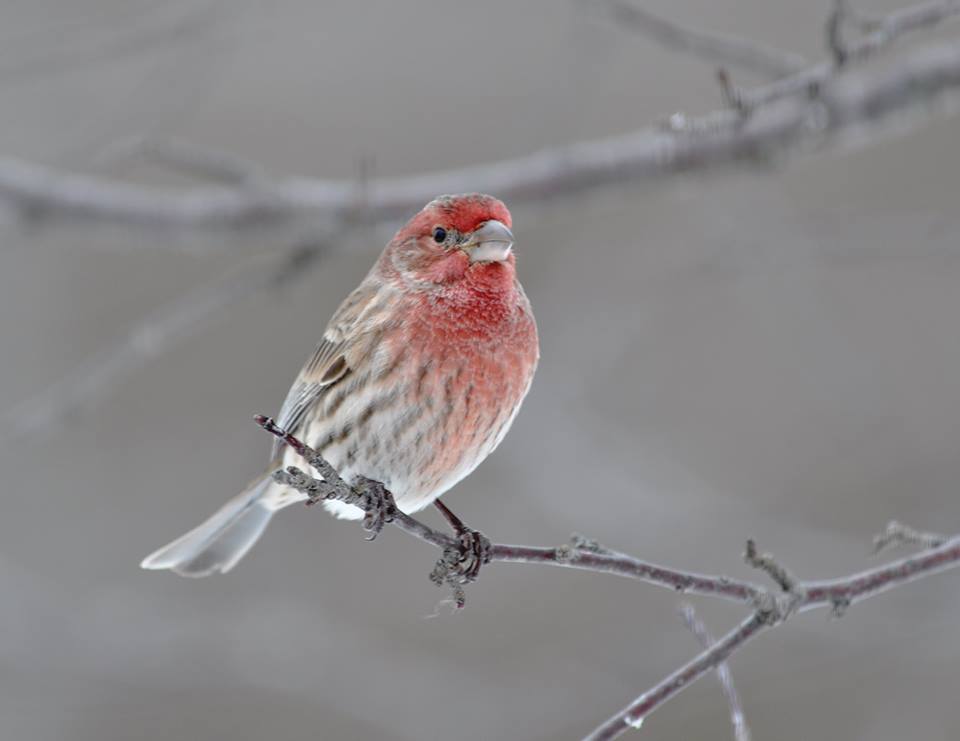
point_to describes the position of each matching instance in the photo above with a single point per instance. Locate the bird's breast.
(435, 400)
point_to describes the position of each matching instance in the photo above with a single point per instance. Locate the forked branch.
(769, 608)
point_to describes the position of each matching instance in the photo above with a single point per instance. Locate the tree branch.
(768, 609)
(717, 48)
(769, 565)
(838, 594)
(187, 158)
(819, 105)
(622, 565)
(880, 33)
(91, 380)
(888, 30)
(634, 715)
(741, 731)
(896, 534)
(577, 555)
(823, 105)
(165, 26)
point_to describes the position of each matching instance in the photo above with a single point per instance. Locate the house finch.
(418, 377)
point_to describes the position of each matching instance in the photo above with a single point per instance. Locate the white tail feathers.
(218, 543)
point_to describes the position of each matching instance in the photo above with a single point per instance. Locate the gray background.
(770, 355)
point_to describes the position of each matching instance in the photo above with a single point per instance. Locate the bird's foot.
(461, 561)
(474, 548)
(378, 506)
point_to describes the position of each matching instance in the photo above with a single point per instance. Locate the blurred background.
(768, 355)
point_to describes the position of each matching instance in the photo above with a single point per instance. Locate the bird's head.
(454, 239)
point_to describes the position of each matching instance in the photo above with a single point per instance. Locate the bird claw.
(461, 562)
(378, 507)
(474, 550)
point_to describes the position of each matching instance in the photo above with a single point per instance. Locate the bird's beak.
(490, 242)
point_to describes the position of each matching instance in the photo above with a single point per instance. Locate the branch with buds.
(768, 607)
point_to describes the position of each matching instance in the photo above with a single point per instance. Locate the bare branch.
(833, 30)
(768, 564)
(337, 488)
(741, 731)
(858, 587)
(184, 316)
(897, 534)
(838, 594)
(730, 93)
(188, 158)
(714, 47)
(784, 119)
(768, 610)
(888, 30)
(634, 714)
(881, 32)
(634, 568)
(166, 26)
(591, 558)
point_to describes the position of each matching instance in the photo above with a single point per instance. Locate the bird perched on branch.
(417, 379)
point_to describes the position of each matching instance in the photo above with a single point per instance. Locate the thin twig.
(833, 30)
(741, 731)
(166, 26)
(769, 565)
(769, 610)
(622, 565)
(852, 589)
(898, 534)
(634, 714)
(836, 594)
(187, 158)
(93, 378)
(888, 30)
(712, 46)
(730, 93)
(568, 556)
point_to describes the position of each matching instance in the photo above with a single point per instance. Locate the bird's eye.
(439, 235)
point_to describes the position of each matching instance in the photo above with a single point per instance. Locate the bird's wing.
(348, 340)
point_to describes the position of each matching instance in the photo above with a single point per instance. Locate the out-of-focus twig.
(772, 610)
(768, 609)
(184, 316)
(887, 30)
(711, 46)
(897, 534)
(741, 731)
(187, 158)
(820, 105)
(166, 25)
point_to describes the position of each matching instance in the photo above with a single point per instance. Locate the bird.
(416, 380)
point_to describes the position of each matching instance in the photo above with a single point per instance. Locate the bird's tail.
(219, 542)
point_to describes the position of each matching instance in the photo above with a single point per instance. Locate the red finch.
(418, 377)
